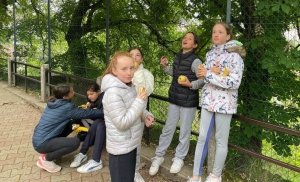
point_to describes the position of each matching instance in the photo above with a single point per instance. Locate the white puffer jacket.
(122, 111)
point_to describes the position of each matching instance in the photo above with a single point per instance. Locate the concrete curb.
(30, 99)
(164, 170)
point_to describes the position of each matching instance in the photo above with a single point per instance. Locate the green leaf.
(254, 45)
(285, 8)
(271, 69)
(295, 3)
(276, 7)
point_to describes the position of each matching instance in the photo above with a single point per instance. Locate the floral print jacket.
(220, 92)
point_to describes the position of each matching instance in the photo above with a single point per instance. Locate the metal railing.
(12, 73)
(254, 122)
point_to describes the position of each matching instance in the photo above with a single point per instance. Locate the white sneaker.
(210, 178)
(193, 180)
(49, 166)
(79, 158)
(138, 177)
(156, 162)
(177, 165)
(90, 166)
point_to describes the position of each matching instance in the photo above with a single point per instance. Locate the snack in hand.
(136, 64)
(77, 128)
(142, 90)
(182, 78)
(201, 66)
(226, 72)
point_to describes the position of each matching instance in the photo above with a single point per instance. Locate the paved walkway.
(19, 114)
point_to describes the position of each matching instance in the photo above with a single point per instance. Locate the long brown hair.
(114, 61)
(227, 28)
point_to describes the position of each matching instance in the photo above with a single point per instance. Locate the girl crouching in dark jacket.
(50, 135)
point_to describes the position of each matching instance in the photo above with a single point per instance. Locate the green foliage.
(270, 88)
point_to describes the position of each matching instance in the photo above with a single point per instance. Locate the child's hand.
(88, 104)
(216, 70)
(142, 95)
(201, 72)
(149, 120)
(185, 83)
(163, 61)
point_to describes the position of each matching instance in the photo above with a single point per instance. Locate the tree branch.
(34, 7)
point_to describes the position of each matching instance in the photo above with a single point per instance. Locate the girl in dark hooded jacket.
(50, 135)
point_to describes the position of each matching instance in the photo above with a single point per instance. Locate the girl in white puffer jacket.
(122, 109)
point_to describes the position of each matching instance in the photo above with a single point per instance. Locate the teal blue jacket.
(56, 116)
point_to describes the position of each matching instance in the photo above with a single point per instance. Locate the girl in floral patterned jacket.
(219, 99)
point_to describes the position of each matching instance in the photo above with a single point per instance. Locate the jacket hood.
(228, 44)
(110, 80)
(57, 103)
(231, 46)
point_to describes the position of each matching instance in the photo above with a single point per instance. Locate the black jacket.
(98, 104)
(180, 95)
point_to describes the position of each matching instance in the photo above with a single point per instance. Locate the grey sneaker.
(177, 165)
(79, 158)
(193, 180)
(49, 166)
(90, 166)
(210, 178)
(156, 162)
(138, 177)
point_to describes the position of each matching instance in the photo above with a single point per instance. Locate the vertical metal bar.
(49, 45)
(67, 79)
(9, 72)
(147, 130)
(107, 32)
(48, 87)
(15, 42)
(26, 88)
(14, 65)
(228, 11)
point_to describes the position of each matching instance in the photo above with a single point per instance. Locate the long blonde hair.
(114, 61)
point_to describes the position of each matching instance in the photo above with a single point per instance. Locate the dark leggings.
(58, 147)
(122, 167)
(96, 135)
(61, 145)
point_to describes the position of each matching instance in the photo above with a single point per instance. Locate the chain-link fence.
(268, 29)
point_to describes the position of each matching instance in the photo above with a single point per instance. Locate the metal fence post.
(44, 92)
(9, 74)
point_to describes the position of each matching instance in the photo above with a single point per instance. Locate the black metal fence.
(275, 168)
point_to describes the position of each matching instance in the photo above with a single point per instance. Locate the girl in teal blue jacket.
(50, 135)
